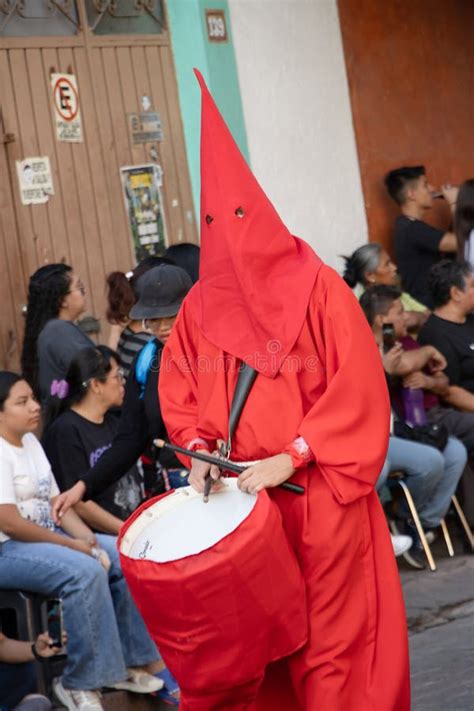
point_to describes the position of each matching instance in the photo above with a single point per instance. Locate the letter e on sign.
(66, 101)
(216, 26)
(66, 107)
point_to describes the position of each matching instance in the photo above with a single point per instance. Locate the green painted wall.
(216, 61)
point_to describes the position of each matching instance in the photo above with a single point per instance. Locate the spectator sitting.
(432, 476)
(464, 222)
(163, 291)
(128, 336)
(371, 264)
(108, 644)
(414, 371)
(79, 429)
(450, 328)
(17, 672)
(417, 245)
(56, 298)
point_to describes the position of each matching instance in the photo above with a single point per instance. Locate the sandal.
(166, 694)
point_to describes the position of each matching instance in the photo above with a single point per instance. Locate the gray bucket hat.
(161, 291)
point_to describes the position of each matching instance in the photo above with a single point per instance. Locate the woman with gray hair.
(371, 264)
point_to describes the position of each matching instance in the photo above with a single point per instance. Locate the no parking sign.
(66, 108)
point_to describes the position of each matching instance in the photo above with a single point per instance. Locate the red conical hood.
(255, 278)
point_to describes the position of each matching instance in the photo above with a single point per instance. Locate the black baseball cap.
(161, 291)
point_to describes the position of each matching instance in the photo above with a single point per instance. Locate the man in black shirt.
(450, 328)
(417, 245)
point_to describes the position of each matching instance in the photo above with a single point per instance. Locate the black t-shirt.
(416, 250)
(74, 444)
(456, 343)
(140, 422)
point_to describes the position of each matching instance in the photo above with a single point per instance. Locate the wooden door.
(85, 222)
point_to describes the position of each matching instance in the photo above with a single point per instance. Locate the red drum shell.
(219, 617)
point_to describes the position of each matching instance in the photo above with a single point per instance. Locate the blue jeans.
(106, 633)
(432, 476)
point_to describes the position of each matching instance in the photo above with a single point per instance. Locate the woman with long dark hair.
(464, 222)
(80, 428)
(108, 644)
(164, 289)
(56, 298)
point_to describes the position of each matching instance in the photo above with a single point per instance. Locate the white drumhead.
(181, 524)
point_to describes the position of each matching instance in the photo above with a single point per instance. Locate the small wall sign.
(145, 127)
(35, 180)
(216, 26)
(66, 108)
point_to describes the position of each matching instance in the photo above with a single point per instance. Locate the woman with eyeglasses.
(128, 336)
(80, 426)
(56, 299)
(162, 292)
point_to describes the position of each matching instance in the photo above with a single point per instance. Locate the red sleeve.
(178, 385)
(347, 429)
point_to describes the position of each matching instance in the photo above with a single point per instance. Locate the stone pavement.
(440, 611)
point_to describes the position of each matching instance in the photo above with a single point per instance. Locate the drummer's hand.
(266, 474)
(199, 471)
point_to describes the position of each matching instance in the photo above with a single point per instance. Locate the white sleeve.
(7, 487)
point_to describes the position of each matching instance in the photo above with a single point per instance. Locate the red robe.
(330, 390)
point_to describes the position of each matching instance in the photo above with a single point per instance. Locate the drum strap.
(245, 380)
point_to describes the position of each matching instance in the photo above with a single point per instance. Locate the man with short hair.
(450, 328)
(432, 476)
(418, 245)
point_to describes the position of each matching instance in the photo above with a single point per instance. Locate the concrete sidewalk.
(440, 612)
(432, 599)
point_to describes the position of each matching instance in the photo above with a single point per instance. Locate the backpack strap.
(143, 365)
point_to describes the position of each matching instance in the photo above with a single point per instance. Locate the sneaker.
(140, 682)
(401, 544)
(431, 536)
(75, 700)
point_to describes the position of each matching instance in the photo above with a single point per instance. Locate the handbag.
(431, 434)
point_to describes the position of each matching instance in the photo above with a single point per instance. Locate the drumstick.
(207, 488)
(221, 463)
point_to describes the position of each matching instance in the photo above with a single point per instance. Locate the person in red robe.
(318, 414)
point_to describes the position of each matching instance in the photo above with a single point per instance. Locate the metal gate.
(85, 222)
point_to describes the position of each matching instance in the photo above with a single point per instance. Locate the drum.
(218, 586)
